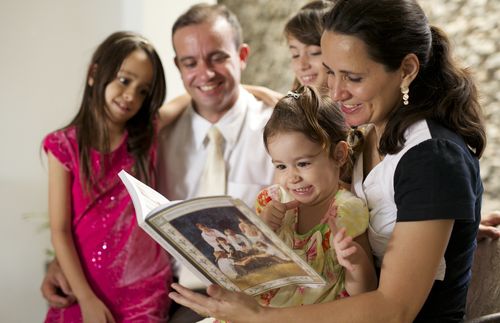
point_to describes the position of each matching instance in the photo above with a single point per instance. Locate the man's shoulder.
(183, 121)
(257, 111)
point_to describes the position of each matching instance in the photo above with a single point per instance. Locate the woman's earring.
(406, 94)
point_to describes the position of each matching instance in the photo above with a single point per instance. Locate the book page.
(144, 198)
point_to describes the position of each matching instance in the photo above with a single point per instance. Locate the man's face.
(210, 66)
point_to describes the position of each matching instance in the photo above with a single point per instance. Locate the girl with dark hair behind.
(303, 34)
(418, 172)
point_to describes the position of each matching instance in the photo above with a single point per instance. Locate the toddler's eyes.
(303, 164)
(280, 166)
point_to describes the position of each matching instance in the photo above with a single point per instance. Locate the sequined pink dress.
(127, 270)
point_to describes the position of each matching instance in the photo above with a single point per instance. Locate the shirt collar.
(229, 125)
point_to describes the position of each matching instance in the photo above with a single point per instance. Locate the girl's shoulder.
(63, 134)
(63, 144)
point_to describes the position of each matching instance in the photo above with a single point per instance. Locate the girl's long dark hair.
(90, 121)
(442, 91)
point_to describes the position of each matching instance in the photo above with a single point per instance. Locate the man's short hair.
(201, 13)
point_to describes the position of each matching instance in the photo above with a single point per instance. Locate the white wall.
(45, 48)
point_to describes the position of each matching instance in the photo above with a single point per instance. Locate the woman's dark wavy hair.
(307, 25)
(392, 29)
(90, 121)
(318, 118)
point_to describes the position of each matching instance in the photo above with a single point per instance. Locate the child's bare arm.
(62, 240)
(170, 111)
(355, 256)
(266, 95)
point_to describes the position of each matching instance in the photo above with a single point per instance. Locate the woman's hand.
(220, 303)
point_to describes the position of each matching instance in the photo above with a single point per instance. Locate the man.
(210, 56)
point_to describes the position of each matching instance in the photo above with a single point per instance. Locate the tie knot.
(215, 136)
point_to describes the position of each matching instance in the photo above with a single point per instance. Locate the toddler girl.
(306, 137)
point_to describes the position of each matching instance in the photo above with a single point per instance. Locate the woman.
(419, 171)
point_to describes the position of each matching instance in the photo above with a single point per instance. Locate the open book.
(220, 240)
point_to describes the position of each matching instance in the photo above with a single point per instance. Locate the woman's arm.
(264, 94)
(407, 275)
(170, 111)
(62, 240)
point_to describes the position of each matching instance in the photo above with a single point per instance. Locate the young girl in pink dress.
(115, 271)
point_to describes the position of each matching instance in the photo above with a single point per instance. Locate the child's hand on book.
(274, 212)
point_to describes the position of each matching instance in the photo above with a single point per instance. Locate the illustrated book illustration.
(220, 239)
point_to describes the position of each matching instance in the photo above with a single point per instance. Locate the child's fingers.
(274, 212)
(347, 265)
(332, 223)
(274, 224)
(278, 206)
(349, 251)
(340, 233)
(291, 205)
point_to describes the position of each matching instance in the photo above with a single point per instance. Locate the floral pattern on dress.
(315, 247)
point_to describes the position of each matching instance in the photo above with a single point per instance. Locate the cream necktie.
(213, 178)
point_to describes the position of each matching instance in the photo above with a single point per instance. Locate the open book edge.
(146, 202)
(155, 213)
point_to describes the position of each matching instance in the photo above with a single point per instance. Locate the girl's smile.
(304, 168)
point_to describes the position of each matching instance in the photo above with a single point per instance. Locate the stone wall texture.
(472, 25)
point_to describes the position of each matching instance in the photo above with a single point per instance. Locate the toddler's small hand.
(274, 212)
(345, 248)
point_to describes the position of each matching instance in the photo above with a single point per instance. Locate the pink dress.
(127, 270)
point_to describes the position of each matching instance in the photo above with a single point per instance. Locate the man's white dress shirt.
(183, 151)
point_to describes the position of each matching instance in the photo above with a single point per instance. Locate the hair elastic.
(294, 95)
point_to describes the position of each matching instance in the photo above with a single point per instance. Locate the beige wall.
(45, 47)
